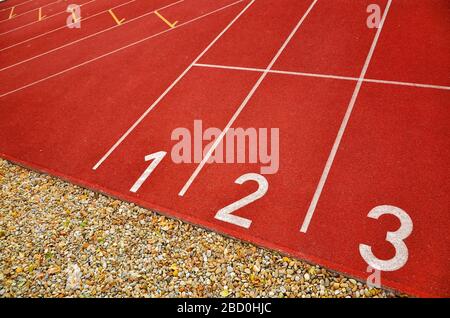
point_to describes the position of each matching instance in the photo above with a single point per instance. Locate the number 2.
(225, 213)
(395, 238)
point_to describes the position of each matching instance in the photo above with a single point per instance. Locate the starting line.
(361, 118)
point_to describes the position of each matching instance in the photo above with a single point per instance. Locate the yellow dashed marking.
(119, 22)
(172, 25)
(11, 14)
(41, 17)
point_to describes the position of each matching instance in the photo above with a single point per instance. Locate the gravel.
(60, 240)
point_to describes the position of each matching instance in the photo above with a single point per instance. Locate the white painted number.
(156, 159)
(395, 238)
(225, 213)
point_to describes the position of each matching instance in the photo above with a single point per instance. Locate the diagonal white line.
(21, 14)
(245, 102)
(63, 26)
(418, 85)
(87, 37)
(37, 21)
(251, 69)
(19, 4)
(341, 131)
(155, 103)
(338, 77)
(116, 50)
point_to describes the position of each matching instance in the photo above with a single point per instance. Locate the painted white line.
(341, 131)
(245, 102)
(4, 9)
(418, 85)
(155, 103)
(116, 50)
(338, 77)
(65, 26)
(37, 21)
(238, 68)
(87, 37)
(32, 10)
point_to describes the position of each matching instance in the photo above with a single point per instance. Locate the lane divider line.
(81, 39)
(175, 82)
(50, 16)
(337, 142)
(246, 100)
(116, 50)
(19, 4)
(338, 77)
(26, 12)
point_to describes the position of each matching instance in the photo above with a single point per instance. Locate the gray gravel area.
(60, 240)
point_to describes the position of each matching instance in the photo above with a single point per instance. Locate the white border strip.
(341, 131)
(245, 102)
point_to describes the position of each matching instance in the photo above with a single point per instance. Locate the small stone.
(54, 270)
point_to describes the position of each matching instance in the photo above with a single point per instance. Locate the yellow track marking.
(41, 17)
(119, 22)
(11, 14)
(172, 25)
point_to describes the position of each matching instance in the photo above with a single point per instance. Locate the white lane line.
(16, 5)
(32, 10)
(245, 102)
(346, 78)
(155, 103)
(419, 85)
(341, 131)
(64, 26)
(251, 69)
(87, 37)
(117, 50)
(37, 21)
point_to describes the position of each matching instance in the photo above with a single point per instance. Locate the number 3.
(395, 238)
(225, 213)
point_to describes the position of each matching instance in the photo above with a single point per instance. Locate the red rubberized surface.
(363, 117)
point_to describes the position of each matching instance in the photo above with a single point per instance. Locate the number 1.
(156, 159)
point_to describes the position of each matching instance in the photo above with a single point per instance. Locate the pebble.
(58, 239)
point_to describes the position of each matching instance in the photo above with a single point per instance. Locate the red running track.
(362, 115)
